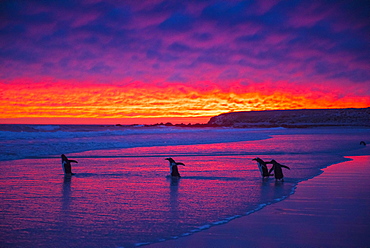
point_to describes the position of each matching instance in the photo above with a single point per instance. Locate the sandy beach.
(330, 210)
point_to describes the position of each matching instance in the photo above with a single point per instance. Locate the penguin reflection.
(66, 192)
(174, 203)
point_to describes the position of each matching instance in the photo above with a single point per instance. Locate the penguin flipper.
(72, 161)
(180, 164)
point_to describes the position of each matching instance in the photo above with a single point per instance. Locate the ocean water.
(121, 195)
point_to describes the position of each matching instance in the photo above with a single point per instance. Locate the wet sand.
(330, 210)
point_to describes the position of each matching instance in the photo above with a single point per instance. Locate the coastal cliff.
(295, 118)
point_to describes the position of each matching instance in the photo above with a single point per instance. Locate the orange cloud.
(66, 100)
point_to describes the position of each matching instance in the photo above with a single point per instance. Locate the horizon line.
(104, 121)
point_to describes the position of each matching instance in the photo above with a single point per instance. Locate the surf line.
(221, 222)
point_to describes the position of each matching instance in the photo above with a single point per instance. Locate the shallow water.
(122, 198)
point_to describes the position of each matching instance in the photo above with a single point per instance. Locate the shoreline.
(328, 210)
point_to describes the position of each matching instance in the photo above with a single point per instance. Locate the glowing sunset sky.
(97, 61)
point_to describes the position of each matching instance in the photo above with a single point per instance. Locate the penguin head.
(170, 159)
(257, 159)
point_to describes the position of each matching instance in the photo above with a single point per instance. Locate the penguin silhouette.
(263, 167)
(277, 168)
(66, 164)
(173, 167)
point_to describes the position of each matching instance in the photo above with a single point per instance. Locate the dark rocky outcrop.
(295, 118)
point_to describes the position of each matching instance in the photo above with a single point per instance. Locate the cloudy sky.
(99, 61)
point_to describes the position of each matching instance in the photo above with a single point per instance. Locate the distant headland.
(294, 118)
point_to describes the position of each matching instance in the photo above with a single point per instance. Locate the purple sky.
(182, 42)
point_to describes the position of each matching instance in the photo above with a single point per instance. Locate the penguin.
(278, 170)
(66, 164)
(173, 167)
(262, 167)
